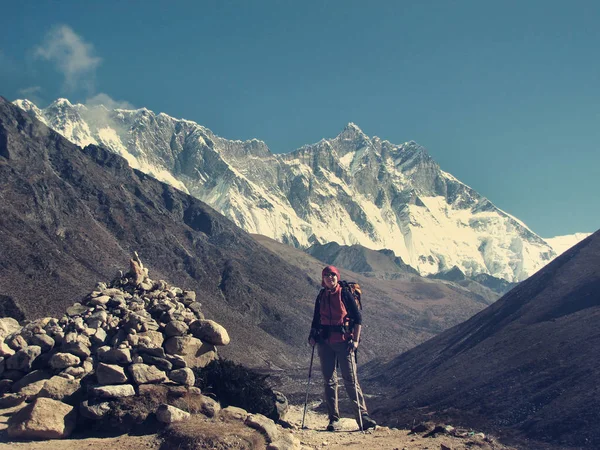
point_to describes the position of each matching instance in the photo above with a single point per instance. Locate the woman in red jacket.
(336, 332)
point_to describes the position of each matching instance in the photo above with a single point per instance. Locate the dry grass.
(202, 433)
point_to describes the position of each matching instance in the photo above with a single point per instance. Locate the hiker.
(336, 332)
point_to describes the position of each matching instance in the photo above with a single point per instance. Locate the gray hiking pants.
(328, 354)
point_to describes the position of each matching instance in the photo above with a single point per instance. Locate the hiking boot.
(334, 425)
(367, 422)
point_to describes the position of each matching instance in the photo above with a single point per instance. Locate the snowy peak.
(350, 189)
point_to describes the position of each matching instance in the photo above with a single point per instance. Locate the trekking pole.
(355, 375)
(308, 385)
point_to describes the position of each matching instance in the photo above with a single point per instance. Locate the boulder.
(144, 374)
(94, 410)
(60, 388)
(16, 342)
(45, 342)
(170, 414)
(5, 350)
(234, 413)
(32, 390)
(155, 337)
(185, 376)
(161, 363)
(176, 328)
(209, 331)
(23, 359)
(110, 374)
(114, 391)
(63, 360)
(193, 350)
(121, 356)
(8, 325)
(208, 406)
(10, 400)
(265, 425)
(77, 309)
(44, 418)
(31, 377)
(77, 348)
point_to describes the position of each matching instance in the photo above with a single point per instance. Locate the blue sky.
(504, 95)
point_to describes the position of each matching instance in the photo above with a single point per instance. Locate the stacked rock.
(129, 333)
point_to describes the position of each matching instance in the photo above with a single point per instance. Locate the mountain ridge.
(350, 189)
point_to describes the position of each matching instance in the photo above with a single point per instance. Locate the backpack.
(355, 290)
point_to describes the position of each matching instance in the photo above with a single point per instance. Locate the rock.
(177, 361)
(31, 377)
(170, 414)
(78, 349)
(63, 360)
(143, 374)
(115, 391)
(110, 374)
(94, 410)
(75, 372)
(156, 337)
(101, 300)
(196, 308)
(209, 331)
(10, 400)
(281, 404)
(5, 350)
(32, 390)
(99, 337)
(185, 376)
(188, 297)
(234, 413)
(23, 359)
(176, 328)
(16, 342)
(114, 355)
(136, 272)
(208, 406)
(157, 352)
(8, 326)
(445, 447)
(265, 425)
(193, 350)
(60, 388)
(45, 342)
(286, 441)
(161, 363)
(97, 319)
(43, 419)
(77, 309)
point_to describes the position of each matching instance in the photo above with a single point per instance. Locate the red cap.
(329, 269)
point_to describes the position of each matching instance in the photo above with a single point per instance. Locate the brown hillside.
(526, 366)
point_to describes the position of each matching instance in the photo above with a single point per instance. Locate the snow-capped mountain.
(351, 189)
(561, 244)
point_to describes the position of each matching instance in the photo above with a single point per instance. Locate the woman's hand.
(352, 346)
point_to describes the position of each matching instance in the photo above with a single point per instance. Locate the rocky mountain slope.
(352, 189)
(526, 365)
(70, 216)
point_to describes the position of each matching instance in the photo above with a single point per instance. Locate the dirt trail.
(313, 437)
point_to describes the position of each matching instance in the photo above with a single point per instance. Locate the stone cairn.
(125, 339)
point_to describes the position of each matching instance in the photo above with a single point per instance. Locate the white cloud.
(108, 102)
(71, 55)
